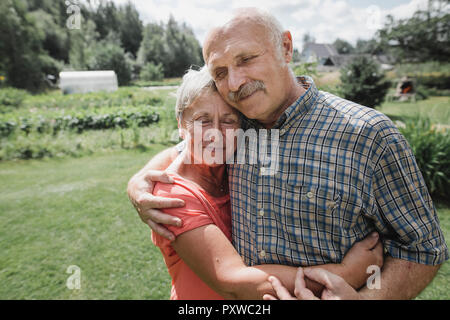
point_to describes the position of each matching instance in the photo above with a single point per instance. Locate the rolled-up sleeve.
(404, 213)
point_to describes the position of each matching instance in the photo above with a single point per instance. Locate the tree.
(83, 43)
(363, 82)
(153, 46)
(20, 46)
(130, 28)
(172, 45)
(343, 47)
(368, 47)
(106, 18)
(110, 56)
(423, 37)
(183, 49)
(307, 37)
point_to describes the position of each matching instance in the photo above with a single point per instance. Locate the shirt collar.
(298, 108)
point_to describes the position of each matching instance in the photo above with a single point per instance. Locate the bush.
(306, 68)
(152, 72)
(124, 96)
(431, 147)
(363, 82)
(110, 56)
(422, 93)
(80, 121)
(12, 97)
(438, 93)
(439, 81)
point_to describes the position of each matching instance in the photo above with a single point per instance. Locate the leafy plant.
(79, 121)
(431, 147)
(12, 97)
(152, 72)
(363, 82)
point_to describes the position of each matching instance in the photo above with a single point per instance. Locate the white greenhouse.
(87, 81)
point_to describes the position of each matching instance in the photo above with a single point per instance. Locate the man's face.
(248, 72)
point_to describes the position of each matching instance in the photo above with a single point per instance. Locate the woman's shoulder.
(180, 189)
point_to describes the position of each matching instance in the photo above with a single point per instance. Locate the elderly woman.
(202, 261)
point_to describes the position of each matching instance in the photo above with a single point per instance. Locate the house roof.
(321, 50)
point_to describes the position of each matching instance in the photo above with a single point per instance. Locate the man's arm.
(140, 189)
(401, 279)
(208, 252)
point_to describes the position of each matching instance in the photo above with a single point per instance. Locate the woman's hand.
(348, 276)
(336, 288)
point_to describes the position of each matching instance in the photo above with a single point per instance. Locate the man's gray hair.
(195, 82)
(268, 21)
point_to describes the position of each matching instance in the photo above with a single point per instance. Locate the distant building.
(87, 81)
(318, 52)
(328, 59)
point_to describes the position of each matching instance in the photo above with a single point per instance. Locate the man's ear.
(288, 47)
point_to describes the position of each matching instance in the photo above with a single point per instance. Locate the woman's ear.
(181, 131)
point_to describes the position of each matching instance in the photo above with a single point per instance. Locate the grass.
(57, 213)
(439, 287)
(60, 212)
(165, 82)
(436, 108)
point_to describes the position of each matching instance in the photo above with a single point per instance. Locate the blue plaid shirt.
(344, 170)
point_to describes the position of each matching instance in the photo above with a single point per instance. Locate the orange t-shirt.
(200, 209)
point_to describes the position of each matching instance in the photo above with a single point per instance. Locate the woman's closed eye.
(229, 121)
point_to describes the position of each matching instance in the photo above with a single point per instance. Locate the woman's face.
(208, 126)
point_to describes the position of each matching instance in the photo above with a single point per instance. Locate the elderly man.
(343, 170)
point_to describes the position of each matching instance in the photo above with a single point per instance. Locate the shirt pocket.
(315, 224)
(311, 207)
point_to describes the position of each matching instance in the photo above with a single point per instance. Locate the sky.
(325, 20)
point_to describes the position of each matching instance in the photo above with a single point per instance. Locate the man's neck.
(294, 93)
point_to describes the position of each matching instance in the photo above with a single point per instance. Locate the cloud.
(326, 20)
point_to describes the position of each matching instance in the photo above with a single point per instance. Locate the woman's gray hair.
(195, 82)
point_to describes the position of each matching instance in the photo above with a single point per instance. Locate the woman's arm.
(208, 252)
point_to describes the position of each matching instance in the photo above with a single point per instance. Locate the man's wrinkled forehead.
(224, 37)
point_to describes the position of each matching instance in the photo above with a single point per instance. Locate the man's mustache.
(246, 90)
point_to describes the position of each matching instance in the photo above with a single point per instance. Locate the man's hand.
(335, 287)
(363, 254)
(140, 189)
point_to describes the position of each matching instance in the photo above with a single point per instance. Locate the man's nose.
(235, 79)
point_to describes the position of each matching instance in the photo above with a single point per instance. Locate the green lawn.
(57, 213)
(436, 108)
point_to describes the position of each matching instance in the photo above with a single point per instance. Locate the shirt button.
(262, 254)
(261, 213)
(310, 195)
